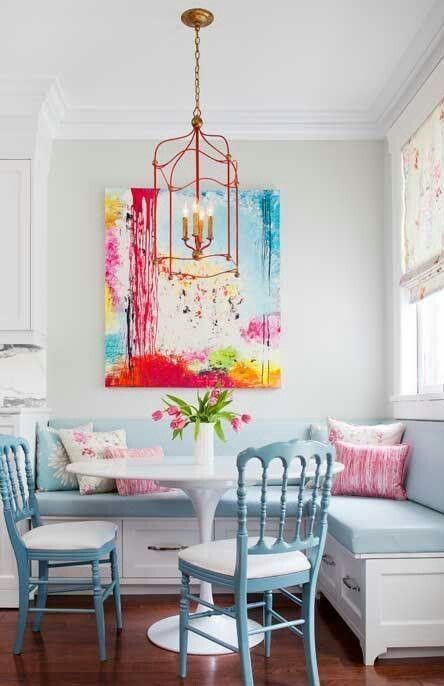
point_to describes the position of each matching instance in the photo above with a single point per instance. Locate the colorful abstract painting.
(191, 332)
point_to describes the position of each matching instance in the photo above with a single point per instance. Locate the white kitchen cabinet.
(19, 267)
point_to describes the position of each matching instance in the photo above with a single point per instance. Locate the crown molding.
(101, 124)
(422, 57)
(21, 102)
(54, 108)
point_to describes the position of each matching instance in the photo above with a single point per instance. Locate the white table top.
(184, 469)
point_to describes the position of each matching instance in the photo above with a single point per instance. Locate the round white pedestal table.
(204, 485)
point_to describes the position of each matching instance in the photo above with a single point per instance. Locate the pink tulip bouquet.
(209, 409)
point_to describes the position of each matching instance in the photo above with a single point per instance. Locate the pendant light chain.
(197, 111)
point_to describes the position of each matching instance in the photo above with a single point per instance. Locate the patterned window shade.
(423, 169)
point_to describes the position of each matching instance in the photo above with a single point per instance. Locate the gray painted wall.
(332, 276)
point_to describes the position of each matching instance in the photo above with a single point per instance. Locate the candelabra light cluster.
(213, 166)
(202, 227)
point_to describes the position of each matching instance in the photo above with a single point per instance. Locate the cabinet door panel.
(15, 235)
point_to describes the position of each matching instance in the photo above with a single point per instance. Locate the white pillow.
(363, 434)
(83, 445)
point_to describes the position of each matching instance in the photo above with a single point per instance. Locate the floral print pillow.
(358, 434)
(83, 445)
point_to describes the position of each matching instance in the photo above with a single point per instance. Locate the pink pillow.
(136, 486)
(372, 471)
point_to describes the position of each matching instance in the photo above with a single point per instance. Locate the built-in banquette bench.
(383, 567)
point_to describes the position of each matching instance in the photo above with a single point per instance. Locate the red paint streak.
(143, 273)
(161, 371)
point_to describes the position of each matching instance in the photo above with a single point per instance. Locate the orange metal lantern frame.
(202, 147)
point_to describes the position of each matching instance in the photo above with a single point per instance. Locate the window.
(423, 248)
(430, 340)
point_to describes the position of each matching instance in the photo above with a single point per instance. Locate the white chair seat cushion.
(220, 557)
(70, 536)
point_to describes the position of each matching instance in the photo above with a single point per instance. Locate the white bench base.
(394, 604)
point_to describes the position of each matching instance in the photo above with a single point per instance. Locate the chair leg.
(308, 614)
(183, 621)
(98, 607)
(267, 620)
(116, 592)
(23, 609)
(42, 594)
(242, 639)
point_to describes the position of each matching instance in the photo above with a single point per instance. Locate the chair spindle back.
(17, 489)
(305, 455)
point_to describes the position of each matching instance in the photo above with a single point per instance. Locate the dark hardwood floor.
(65, 654)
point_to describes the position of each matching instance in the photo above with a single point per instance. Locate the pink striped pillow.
(136, 486)
(372, 471)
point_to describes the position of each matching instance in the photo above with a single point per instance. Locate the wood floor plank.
(65, 654)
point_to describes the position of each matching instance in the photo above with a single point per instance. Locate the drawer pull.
(166, 548)
(351, 584)
(328, 560)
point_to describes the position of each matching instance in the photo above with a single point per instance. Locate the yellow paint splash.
(249, 374)
(113, 210)
(110, 315)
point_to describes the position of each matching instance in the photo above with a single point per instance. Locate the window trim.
(422, 406)
(402, 363)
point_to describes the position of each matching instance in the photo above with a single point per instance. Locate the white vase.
(204, 445)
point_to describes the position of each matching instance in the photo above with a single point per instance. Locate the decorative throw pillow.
(377, 434)
(372, 471)
(83, 445)
(52, 460)
(137, 486)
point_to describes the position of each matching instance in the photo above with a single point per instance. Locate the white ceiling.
(122, 62)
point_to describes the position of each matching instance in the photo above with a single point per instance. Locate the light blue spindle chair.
(53, 546)
(244, 565)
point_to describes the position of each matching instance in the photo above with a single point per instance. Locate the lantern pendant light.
(204, 218)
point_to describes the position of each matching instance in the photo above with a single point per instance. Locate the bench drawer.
(329, 571)
(351, 587)
(151, 546)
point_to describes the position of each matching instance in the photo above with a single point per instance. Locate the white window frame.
(423, 389)
(406, 402)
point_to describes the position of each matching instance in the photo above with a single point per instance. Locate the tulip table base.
(165, 633)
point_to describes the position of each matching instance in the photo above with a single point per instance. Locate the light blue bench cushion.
(175, 504)
(375, 525)
(363, 525)
(425, 478)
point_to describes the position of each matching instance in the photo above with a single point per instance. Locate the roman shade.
(423, 221)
